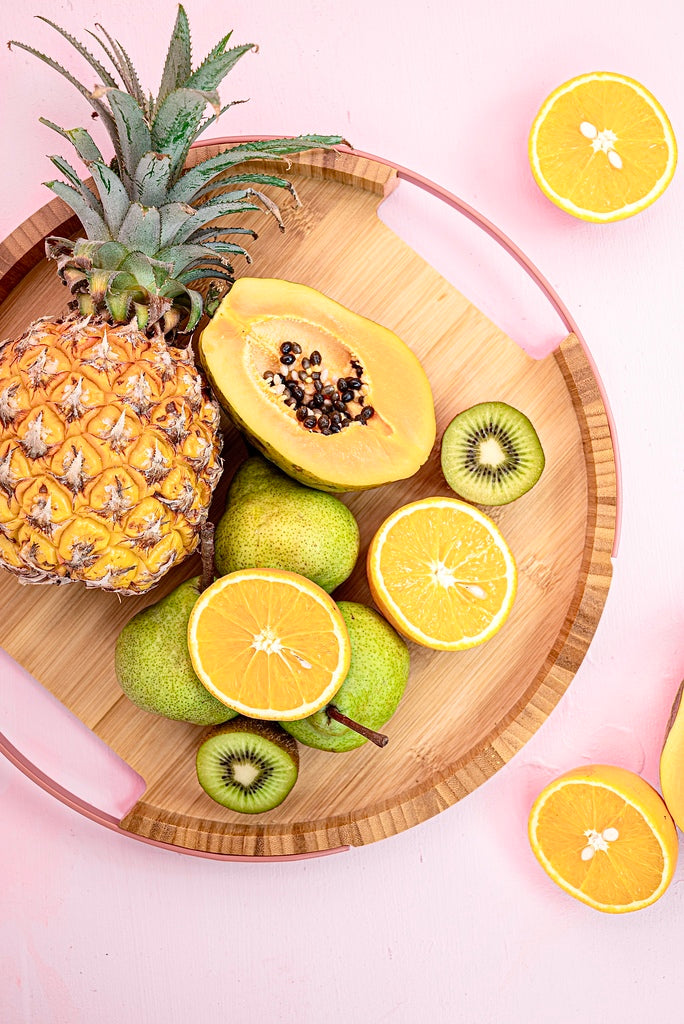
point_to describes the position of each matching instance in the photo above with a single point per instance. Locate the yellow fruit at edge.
(269, 644)
(442, 574)
(604, 835)
(672, 761)
(602, 148)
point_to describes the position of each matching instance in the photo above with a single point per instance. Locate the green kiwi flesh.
(248, 765)
(491, 454)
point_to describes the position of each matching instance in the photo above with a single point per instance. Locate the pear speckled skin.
(273, 522)
(374, 685)
(153, 665)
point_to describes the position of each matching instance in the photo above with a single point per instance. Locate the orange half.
(269, 644)
(605, 836)
(441, 572)
(602, 147)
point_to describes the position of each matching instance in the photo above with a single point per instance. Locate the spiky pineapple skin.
(109, 454)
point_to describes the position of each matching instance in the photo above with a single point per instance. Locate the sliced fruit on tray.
(153, 665)
(370, 694)
(602, 147)
(247, 766)
(604, 835)
(491, 454)
(441, 572)
(273, 522)
(269, 644)
(109, 444)
(336, 400)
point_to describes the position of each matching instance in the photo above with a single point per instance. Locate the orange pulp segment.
(602, 147)
(441, 572)
(604, 835)
(269, 644)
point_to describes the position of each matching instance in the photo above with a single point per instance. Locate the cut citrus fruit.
(269, 643)
(605, 836)
(602, 147)
(442, 574)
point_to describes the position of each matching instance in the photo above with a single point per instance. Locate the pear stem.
(207, 553)
(378, 738)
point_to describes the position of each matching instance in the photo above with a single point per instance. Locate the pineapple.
(109, 436)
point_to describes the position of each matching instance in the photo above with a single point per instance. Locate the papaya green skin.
(261, 445)
(402, 445)
(370, 694)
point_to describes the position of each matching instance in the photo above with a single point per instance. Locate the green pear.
(374, 685)
(153, 666)
(273, 522)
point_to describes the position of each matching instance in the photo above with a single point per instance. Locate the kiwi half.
(248, 765)
(491, 454)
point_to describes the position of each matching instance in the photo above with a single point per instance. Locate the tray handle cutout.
(74, 758)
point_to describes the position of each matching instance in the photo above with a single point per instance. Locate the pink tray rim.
(69, 799)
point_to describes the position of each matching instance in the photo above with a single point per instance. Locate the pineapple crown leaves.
(146, 218)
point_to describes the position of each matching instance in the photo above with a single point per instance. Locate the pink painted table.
(453, 920)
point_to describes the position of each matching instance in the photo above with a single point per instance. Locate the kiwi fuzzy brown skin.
(512, 466)
(259, 727)
(248, 740)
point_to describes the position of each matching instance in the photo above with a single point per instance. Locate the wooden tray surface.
(464, 714)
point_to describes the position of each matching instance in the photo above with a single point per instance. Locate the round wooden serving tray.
(464, 714)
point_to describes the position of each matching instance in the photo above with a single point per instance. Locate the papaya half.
(334, 399)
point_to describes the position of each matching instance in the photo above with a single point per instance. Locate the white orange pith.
(604, 835)
(269, 644)
(602, 147)
(442, 573)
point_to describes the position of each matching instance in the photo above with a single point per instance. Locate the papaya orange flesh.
(241, 350)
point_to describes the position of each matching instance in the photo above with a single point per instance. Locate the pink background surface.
(452, 920)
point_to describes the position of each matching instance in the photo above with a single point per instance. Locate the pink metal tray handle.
(426, 185)
(531, 270)
(101, 817)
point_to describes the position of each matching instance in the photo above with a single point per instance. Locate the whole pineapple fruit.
(109, 437)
